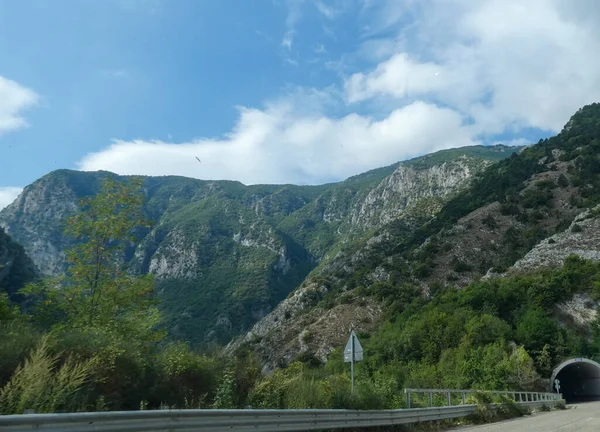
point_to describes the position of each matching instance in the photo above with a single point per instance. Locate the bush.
(563, 181)
(183, 376)
(17, 339)
(41, 384)
(490, 222)
(460, 266)
(535, 197)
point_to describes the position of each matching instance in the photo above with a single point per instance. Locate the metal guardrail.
(517, 396)
(231, 420)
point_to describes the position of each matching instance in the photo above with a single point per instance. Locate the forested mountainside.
(489, 292)
(526, 212)
(16, 268)
(225, 254)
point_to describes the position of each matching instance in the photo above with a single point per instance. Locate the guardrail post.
(449, 399)
(430, 399)
(407, 398)
(464, 398)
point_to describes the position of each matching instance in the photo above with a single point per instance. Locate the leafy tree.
(536, 329)
(97, 291)
(7, 311)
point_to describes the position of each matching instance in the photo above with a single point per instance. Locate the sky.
(281, 91)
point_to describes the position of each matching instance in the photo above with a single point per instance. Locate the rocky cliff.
(524, 213)
(225, 254)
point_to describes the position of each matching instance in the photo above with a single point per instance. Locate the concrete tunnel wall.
(579, 379)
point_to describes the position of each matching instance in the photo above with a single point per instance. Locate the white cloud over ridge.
(8, 195)
(278, 145)
(14, 100)
(459, 73)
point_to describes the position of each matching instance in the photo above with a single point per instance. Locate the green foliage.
(563, 181)
(8, 311)
(225, 397)
(185, 376)
(97, 291)
(18, 338)
(492, 153)
(16, 268)
(461, 338)
(490, 221)
(537, 197)
(460, 266)
(44, 385)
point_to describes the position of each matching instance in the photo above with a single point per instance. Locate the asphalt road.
(583, 417)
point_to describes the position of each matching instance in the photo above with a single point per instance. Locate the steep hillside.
(225, 254)
(16, 268)
(508, 209)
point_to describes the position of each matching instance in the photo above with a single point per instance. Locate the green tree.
(97, 291)
(536, 329)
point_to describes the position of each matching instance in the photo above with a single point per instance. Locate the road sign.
(358, 350)
(353, 353)
(557, 385)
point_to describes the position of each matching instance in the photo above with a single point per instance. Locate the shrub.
(563, 181)
(42, 385)
(460, 266)
(489, 221)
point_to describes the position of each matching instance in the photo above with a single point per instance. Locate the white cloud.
(282, 144)
(14, 100)
(116, 73)
(294, 13)
(288, 39)
(327, 10)
(320, 49)
(507, 64)
(459, 73)
(8, 195)
(396, 77)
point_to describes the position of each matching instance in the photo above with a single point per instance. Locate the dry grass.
(41, 384)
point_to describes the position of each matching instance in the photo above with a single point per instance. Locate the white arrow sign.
(358, 350)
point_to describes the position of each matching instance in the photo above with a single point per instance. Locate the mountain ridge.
(225, 254)
(484, 229)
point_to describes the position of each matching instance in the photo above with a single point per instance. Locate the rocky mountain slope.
(526, 212)
(225, 254)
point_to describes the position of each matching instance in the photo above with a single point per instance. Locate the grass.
(43, 385)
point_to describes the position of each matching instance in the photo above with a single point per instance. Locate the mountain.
(16, 268)
(225, 254)
(526, 212)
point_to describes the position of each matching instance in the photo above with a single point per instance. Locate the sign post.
(353, 353)
(557, 385)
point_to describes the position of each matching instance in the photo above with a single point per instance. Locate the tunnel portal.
(579, 380)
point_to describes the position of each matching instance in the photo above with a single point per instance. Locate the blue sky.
(301, 91)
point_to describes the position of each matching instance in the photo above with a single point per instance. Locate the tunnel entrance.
(579, 380)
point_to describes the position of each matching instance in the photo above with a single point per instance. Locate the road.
(584, 417)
